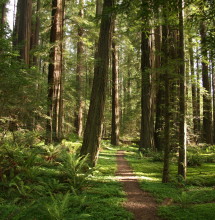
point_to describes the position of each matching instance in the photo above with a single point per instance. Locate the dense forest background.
(82, 79)
(138, 71)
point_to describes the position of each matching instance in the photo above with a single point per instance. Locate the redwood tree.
(22, 31)
(79, 76)
(147, 131)
(93, 130)
(54, 123)
(182, 160)
(207, 106)
(115, 94)
(164, 63)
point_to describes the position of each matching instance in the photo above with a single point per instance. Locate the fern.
(58, 207)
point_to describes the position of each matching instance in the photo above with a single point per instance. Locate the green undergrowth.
(40, 182)
(192, 199)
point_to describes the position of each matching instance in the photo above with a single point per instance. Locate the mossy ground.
(193, 199)
(36, 185)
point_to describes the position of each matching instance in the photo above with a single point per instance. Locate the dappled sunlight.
(134, 178)
(117, 178)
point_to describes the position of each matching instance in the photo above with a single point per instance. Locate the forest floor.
(139, 202)
(41, 181)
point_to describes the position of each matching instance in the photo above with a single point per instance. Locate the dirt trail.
(140, 203)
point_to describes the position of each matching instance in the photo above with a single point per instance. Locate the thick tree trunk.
(80, 75)
(147, 128)
(147, 134)
(54, 124)
(93, 130)
(35, 34)
(207, 106)
(22, 31)
(115, 95)
(182, 160)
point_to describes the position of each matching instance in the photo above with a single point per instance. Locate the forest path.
(139, 202)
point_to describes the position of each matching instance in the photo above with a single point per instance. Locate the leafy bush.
(75, 170)
(194, 160)
(58, 208)
(209, 158)
(210, 149)
(157, 157)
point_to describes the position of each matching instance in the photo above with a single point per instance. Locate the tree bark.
(147, 128)
(35, 34)
(54, 123)
(182, 160)
(159, 122)
(164, 63)
(198, 103)
(80, 74)
(207, 106)
(115, 94)
(99, 6)
(22, 31)
(93, 130)
(147, 135)
(194, 91)
(3, 15)
(213, 89)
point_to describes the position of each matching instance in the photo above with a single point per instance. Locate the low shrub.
(194, 160)
(157, 157)
(75, 170)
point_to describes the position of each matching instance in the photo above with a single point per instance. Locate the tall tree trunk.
(213, 89)
(22, 31)
(93, 130)
(115, 94)
(147, 136)
(198, 103)
(54, 124)
(164, 63)
(159, 121)
(80, 75)
(207, 107)
(182, 160)
(35, 33)
(147, 132)
(194, 91)
(3, 15)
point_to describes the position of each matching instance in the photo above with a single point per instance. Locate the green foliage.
(157, 157)
(76, 170)
(58, 208)
(194, 159)
(177, 201)
(50, 192)
(200, 212)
